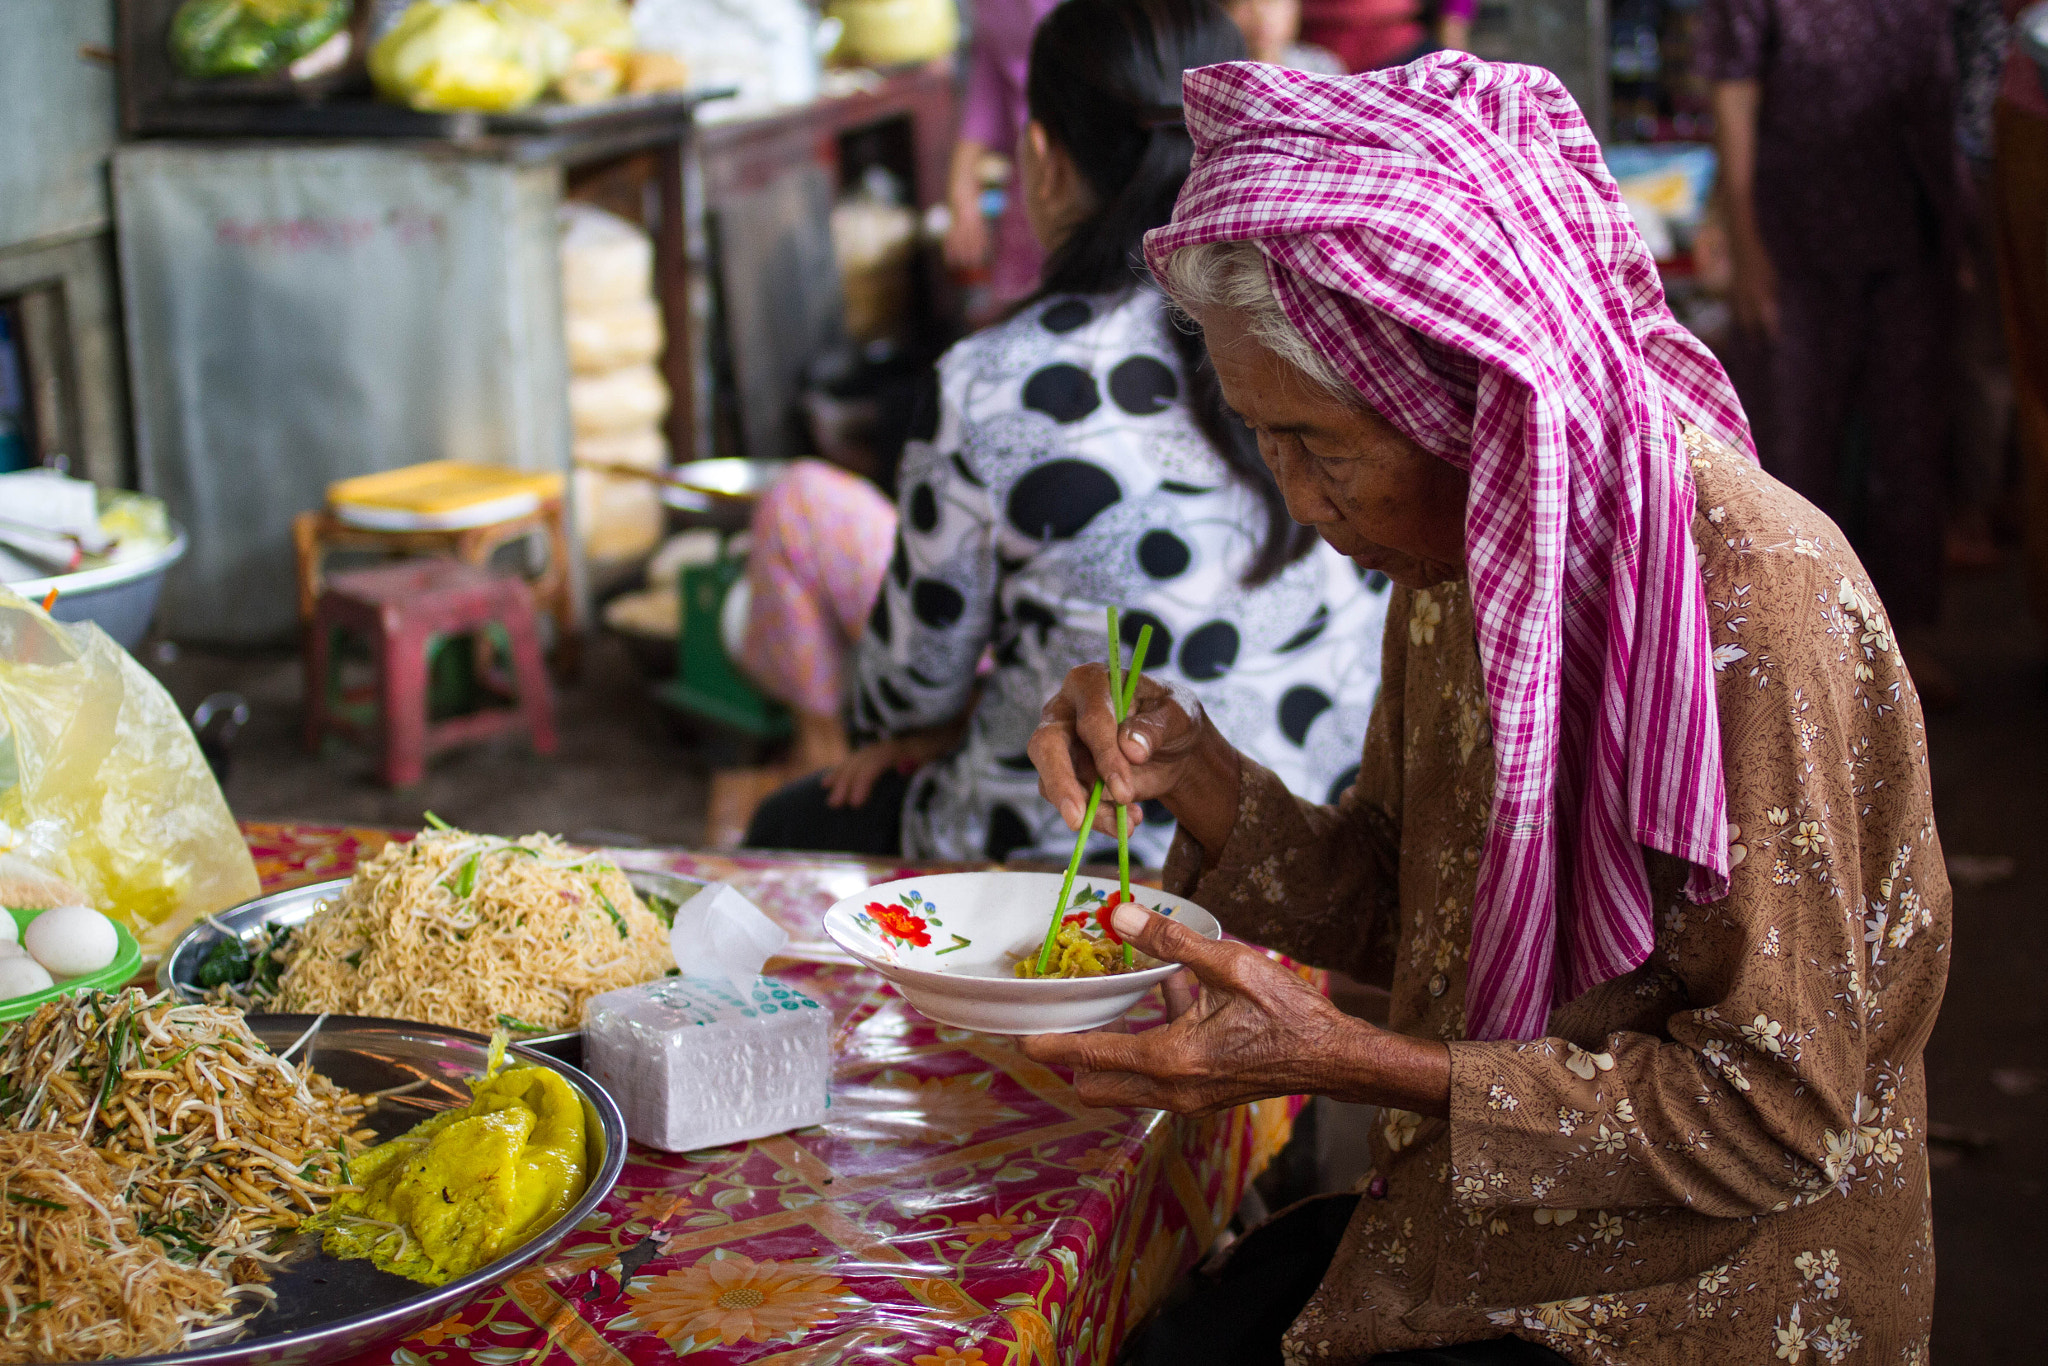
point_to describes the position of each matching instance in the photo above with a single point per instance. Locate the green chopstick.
(1123, 690)
(1123, 813)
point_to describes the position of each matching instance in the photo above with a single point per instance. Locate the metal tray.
(178, 972)
(328, 1308)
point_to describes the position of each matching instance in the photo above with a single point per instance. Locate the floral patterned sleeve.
(1319, 883)
(1758, 1067)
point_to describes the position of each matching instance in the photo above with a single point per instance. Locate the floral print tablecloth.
(960, 1208)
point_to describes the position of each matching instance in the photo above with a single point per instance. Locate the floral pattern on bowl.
(957, 966)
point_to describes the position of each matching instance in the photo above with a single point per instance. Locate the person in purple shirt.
(1834, 124)
(991, 118)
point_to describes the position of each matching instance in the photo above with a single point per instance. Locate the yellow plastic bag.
(468, 54)
(101, 770)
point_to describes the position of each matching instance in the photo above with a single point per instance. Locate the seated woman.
(1079, 456)
(1642, 842)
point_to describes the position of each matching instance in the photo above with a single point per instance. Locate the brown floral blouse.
(1719, 1157)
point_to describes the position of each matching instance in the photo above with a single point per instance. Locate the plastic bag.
(604, 24)
(211, 38)
(97, 762)
(468, 54)
(623, 400)
(612, 336)
(605, 259)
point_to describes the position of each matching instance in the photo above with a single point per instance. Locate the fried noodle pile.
(475, 932)
(175, 1129)
(79, 1279)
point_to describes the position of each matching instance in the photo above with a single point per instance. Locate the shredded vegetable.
(1077, 953)
(212, 1146)
(77, 1277)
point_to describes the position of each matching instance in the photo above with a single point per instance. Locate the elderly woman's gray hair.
(1233, 276)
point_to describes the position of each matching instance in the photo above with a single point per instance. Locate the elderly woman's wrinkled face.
(1366, 489)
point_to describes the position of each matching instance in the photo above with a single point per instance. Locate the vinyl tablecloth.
(961, 1207)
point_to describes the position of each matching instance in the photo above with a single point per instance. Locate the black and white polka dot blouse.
(1063, 474)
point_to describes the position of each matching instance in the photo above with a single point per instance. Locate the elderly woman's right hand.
(1166, 749)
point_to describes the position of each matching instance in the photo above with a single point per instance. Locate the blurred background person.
(1272, 33)
(991, 118)
(1835, 129)
(1369, 34)
(1080, 456)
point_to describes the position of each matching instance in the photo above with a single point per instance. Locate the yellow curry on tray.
(463, 1188)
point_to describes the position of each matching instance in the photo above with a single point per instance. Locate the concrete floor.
(626, 774)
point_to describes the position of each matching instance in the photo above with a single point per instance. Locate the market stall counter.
(960, 1205)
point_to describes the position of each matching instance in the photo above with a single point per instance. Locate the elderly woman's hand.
(1166, 748)
(1255, 1030)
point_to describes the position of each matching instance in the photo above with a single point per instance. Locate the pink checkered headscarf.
(1446, 234)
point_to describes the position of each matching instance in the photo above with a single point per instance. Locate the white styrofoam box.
(695, 1064)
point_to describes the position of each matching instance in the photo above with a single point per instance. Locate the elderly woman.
(1641, 841)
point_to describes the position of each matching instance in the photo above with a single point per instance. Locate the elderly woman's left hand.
(1254, 1030)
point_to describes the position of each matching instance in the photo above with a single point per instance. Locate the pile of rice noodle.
(79, 1280)
(475, 932)
(212, 1145)
(1077, 953)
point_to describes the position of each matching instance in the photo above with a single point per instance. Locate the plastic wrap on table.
(95, 757)
(958, 1203)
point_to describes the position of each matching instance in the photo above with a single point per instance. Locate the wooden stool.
(316, 534)
(398, 609)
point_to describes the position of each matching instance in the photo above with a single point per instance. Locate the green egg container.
(127, 962)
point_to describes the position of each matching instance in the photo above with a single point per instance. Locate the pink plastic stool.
(398, 609)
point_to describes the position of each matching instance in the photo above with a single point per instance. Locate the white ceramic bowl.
(975, 926)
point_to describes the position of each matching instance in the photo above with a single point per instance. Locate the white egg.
(9, 931)
(21, 975)
(71, 940)
(10, 948)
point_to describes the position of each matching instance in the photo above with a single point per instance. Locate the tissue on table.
(720, 1054)
(696, 1064)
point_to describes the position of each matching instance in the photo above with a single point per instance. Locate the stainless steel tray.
(178, 972)
(328, 1308)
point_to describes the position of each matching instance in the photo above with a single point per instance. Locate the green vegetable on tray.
(243, 971)
(228, 962)
(214, 38)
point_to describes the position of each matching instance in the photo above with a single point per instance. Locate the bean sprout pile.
(213, 1144)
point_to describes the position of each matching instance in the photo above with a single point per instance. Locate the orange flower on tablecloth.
(990, 1226)
(735, 1299)
(1093, 1160)
(657, 1207)
(446, 1329)
(953, 1109)
(967, 1356)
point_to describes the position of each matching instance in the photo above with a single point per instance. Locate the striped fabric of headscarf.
(1446, 234)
